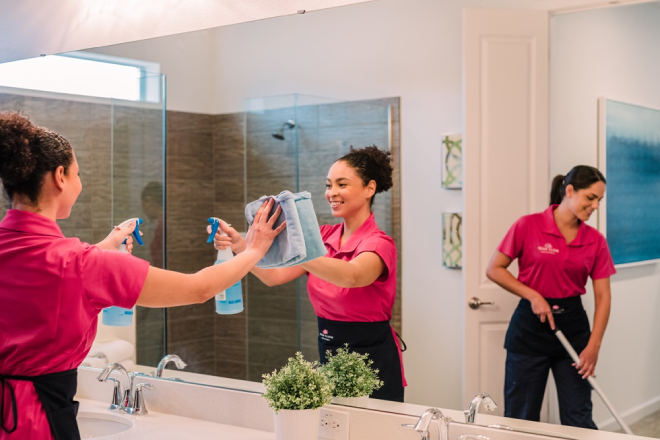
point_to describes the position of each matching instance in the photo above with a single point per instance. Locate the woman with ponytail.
(557, 252)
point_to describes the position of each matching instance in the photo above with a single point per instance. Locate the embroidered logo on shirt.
(548, 249)
(325, 336)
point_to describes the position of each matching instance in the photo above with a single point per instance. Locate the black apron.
(529, 336)
(56, 392)
(372, 338)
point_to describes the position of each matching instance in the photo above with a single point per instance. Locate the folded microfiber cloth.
(301, 240)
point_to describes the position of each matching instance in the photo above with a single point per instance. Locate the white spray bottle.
(118, 316)
(229, 301)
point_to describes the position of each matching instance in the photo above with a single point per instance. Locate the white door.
(506, 167)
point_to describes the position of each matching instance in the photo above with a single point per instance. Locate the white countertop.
(159, 426)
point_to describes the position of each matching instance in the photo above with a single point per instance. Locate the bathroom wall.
(611, 53)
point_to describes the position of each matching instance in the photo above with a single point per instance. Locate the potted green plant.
(351, 375)
(297, 392)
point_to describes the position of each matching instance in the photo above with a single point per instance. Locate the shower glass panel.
(138, 176)
(290, 143)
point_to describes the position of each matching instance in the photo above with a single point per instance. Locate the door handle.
(475, 303)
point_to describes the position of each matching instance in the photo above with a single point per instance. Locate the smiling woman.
(557, 252)
(352, 289)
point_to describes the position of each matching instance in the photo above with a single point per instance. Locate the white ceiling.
(29, 28)
(561, 6)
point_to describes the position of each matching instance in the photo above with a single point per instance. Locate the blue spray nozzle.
(215, 224)
(136, 231)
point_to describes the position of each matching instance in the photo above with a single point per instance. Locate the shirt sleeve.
(111, 278)
(603, 264)
(384, 247)
(514, 240)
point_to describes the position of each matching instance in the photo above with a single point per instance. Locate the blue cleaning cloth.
(301, 240)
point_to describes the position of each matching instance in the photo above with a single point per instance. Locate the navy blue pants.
(524, 386)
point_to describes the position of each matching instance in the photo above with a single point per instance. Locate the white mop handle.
(573, 354)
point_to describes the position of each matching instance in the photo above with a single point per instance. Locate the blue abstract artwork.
(632, 159)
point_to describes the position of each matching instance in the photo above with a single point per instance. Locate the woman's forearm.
(275, 277)
(164, 288)
(362, 271)
(603, 303)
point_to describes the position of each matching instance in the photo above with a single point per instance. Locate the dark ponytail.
(27, 153)
(370, 163)
(581, 177)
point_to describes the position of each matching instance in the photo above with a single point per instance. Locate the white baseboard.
(630, 416)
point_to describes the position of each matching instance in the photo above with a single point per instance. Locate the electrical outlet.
(334, 424)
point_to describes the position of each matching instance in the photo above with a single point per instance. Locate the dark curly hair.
(370, 163)
(27, 153)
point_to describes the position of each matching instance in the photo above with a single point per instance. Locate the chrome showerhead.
(289, 125)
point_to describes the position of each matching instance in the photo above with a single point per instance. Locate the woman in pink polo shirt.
(352, 288)
(52, 288)
(557, 253)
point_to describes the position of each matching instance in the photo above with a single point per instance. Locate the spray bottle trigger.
(215, 224)
(136, 231)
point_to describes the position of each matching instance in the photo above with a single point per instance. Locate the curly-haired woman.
(53, 288)
(352, 288)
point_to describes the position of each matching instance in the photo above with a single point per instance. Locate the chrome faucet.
(139, 408)
(471, 413)
(122, 397)
(424, 422)
(167, 359)
(126, 400)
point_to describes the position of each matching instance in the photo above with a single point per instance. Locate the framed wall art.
(629, 156)
(452, 241)
(452, 161)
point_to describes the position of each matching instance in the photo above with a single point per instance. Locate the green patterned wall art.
(452, 242)
(452, 161)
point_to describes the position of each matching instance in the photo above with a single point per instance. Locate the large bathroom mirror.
(230, 89)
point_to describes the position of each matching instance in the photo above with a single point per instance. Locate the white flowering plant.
(299, 384)
(351, 373)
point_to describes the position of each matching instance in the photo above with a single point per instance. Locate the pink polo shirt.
(52, 289)
(370, 303)
(550, 266)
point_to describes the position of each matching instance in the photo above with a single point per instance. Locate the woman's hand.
(542, 309)
(233, 239)
(588, 360)
(118, 235)
(261, 234)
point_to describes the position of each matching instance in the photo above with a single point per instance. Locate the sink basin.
(102, 425)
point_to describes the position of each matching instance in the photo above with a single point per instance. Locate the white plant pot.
(360, 402)
(297, 424)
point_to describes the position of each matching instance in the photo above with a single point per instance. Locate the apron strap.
(4, 382)
(404, 347)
